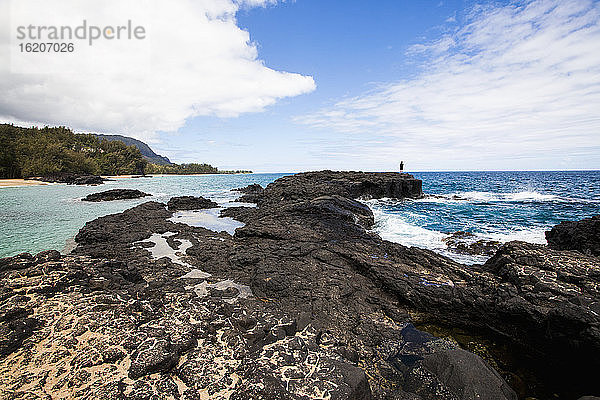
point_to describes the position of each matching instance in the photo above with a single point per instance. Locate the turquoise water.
(496, 205)
(36, 218)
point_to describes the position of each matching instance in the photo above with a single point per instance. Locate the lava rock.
(462, 242)
(353, 185)
(14, 329)
(20, 261)
(254, 188)
(115, 194)
(48, 255)
(190, 203)
(73, 179)
(251, 193)
(583, 236)
(152, 355)
(338, 207)
(467, 375)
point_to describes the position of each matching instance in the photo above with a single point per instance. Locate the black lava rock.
(462, 242)
(353, 185)
(583, 236)
(190, 203)
(73, 179)
(115, 194)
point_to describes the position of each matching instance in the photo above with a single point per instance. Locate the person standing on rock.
(401, 166)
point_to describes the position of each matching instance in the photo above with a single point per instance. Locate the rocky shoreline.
(304, 301)
(72, 179)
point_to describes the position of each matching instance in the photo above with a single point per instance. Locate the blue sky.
(347, 49)
(298, 85)
(350, 50)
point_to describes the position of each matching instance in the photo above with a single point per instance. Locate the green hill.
(33, 152)
(29, 152)
(146, 151)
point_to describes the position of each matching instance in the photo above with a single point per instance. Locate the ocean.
(500, 206)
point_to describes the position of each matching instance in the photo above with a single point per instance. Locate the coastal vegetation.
(146, 151)
(29, 152)
(188, 169)
(33, 152)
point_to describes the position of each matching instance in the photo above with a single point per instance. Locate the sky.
(286, 86)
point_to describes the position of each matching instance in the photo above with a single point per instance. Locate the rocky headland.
(352, 185)
(115, 194)
(302, 302)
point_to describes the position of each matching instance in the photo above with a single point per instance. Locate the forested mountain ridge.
(31, 152)
(146, 151)
(36, 152)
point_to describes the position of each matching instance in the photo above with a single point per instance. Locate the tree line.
(189, 169)
(33, 152)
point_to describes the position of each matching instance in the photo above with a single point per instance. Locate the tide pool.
(36, 218)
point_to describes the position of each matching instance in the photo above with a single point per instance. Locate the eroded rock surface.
(98, 329)
(545, 303)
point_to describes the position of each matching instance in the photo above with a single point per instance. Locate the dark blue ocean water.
(502, 206)
(496, 205)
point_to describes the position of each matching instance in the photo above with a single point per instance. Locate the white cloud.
(519, 82)
(437, 47)
(194, 61)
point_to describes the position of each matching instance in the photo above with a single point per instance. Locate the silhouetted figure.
(401, 166)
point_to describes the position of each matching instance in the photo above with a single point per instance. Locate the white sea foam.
(396, 228)
(490, 197)
(480, 197)
(534, 235)
(445, 199)
(524, 196)
(405, 229)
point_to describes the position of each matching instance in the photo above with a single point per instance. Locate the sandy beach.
(158, 175)
(31, 182)
(20, 182)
